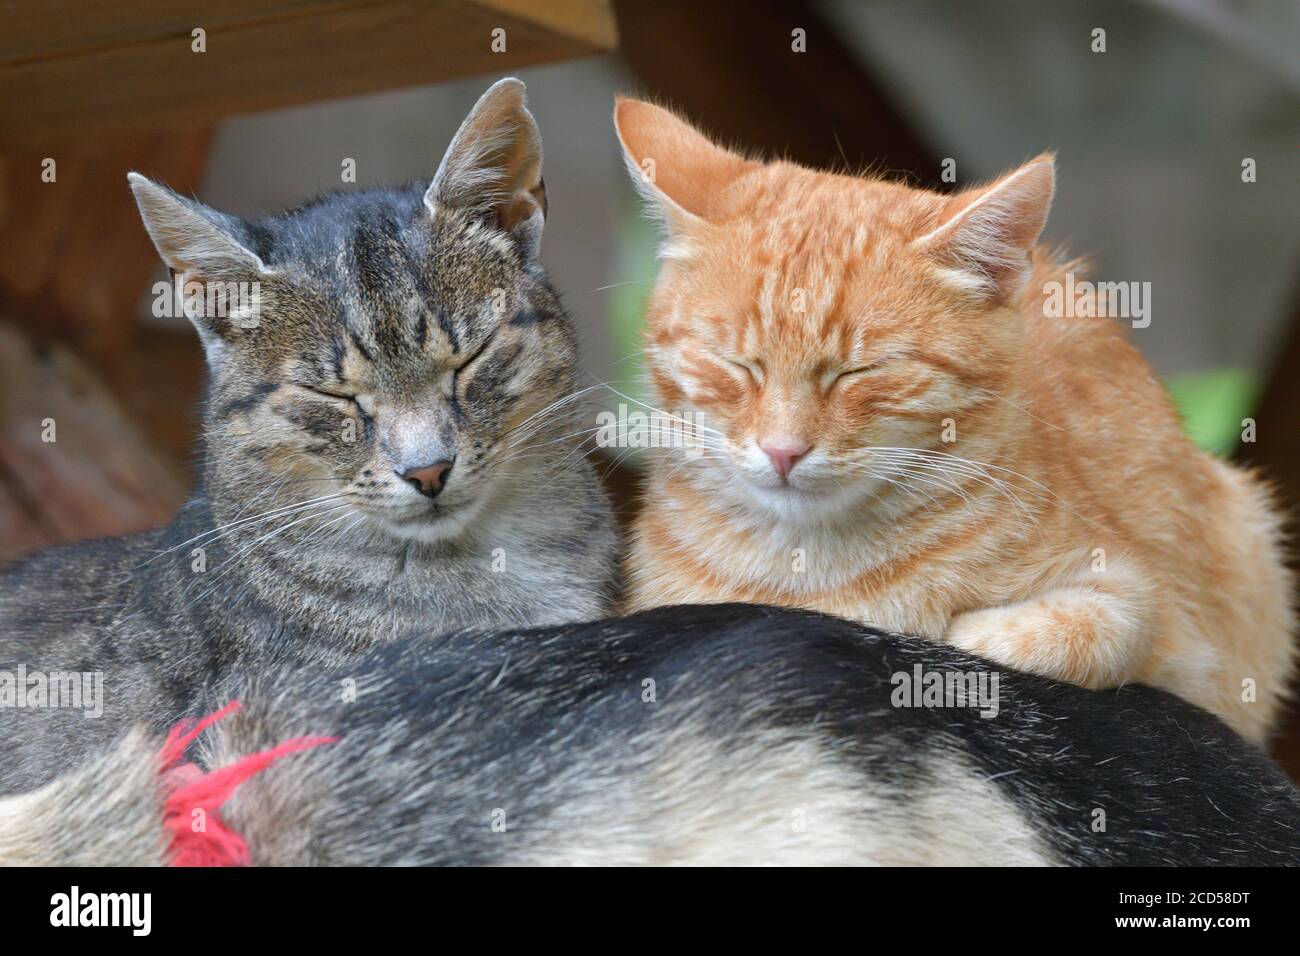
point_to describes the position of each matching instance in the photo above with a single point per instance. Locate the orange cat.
(899, 434)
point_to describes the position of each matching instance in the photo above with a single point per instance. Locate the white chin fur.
(430, 530)
(790, 502)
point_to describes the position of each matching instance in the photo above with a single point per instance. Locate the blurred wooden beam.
(73, 68)
(731, 67)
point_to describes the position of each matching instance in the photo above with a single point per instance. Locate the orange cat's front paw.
(1071, 635)
(986, 633)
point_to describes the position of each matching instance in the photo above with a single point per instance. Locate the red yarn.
(189, 789)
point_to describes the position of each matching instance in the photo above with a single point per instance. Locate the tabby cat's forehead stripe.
(430, 303)
(392, 331)
(376, 256)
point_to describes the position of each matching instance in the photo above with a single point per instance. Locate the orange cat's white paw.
(1028, 637)
(1074, 636)
(985, 633)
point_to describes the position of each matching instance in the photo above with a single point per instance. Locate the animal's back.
(74, 686)
(741, 734)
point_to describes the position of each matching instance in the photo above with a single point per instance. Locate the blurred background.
(1176, 124)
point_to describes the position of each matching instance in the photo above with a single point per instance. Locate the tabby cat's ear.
(201, 245)
(190, 237)
(677, 169)
(986, 234)
(493, 167)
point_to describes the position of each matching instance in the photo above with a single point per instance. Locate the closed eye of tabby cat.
(897, 433)
(384, 450)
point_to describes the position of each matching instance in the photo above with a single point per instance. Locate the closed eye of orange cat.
(896, 432)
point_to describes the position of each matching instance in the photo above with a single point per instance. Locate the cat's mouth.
(793, 497)
(431, 521)
(787, 490)
(789, 487)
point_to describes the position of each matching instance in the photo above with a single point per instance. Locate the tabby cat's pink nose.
(427, 479)
(784, 455)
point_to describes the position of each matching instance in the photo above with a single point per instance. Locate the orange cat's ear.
(674, 166)
(986, 234)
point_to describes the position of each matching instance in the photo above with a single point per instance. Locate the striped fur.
(979, 473)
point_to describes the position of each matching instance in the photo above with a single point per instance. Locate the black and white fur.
(768, 736)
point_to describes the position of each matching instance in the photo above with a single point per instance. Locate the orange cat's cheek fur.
(868, 402)
(712, 386)
(671, 394)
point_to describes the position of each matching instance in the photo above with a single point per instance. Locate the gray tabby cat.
(385, 452)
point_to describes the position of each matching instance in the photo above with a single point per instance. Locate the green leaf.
(1213, 403)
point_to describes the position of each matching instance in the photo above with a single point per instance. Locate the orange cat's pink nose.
(784, 455)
